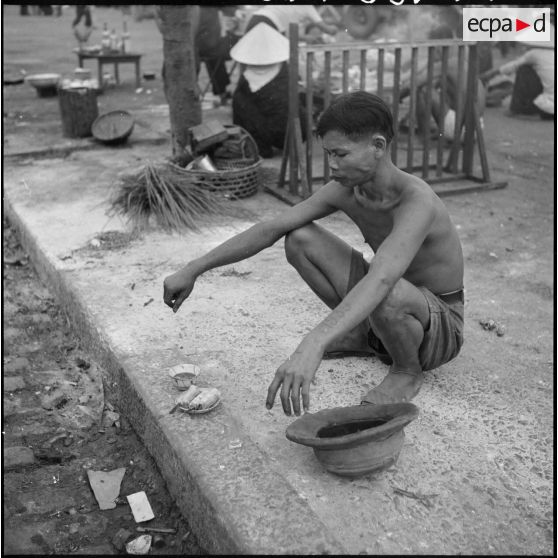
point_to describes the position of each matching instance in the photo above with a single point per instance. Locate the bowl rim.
(42, 76)
(305, 429)
(116, 112)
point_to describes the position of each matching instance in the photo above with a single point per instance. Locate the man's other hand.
(294, 377)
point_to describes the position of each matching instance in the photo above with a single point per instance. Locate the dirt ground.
(54, 404)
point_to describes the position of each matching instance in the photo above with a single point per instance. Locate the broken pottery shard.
(140, 507)
(206, 399)
(141, 545)
(106, 486)
(120, 538)
(109, 418)
(185, 398)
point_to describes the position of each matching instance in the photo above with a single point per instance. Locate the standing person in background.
(280, 17)
(82, 24)
(213, 49)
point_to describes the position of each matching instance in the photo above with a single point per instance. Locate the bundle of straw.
(173, 200)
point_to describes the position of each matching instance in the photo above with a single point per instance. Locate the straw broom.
(173, 200)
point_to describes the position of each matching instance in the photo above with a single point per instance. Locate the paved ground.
(478, 459)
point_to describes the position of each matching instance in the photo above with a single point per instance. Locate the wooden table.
(112, 58)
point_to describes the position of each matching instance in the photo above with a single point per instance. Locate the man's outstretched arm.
(179, 285)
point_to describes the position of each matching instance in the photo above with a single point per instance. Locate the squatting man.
(405, 306)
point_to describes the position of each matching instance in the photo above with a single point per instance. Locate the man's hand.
(294, 377)
(177, 288)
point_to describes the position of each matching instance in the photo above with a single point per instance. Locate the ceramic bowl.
(183, 375)
(45, 84)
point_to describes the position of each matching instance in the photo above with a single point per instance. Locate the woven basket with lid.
(238, 167)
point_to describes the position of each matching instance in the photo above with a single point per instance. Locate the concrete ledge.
(234, 500)
(64, 150)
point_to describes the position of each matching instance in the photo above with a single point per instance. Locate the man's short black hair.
(357, 114)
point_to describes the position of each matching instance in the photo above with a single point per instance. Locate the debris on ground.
(164, 530)
(110, 418)
(424, 499)
(141, 509)
(121, 537)
(106, 486)
(490, 325)
(159, 541)
(141, 545)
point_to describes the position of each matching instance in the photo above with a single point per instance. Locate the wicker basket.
(234, 178)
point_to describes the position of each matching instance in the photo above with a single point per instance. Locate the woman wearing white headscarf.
(261, 99)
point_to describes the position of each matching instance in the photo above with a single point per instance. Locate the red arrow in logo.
(519, 25)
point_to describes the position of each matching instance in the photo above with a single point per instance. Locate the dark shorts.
(443, 338)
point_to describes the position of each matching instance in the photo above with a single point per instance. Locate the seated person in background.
(261, 99)
(280, 17)
(455, 84)
(533, 88)
(213, 48)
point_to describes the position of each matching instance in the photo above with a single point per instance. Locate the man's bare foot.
(397, 386)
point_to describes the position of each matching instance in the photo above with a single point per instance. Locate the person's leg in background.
(526, 88)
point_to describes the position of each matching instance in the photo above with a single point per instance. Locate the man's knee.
(390, 310)
(296, 242)
(401, 305)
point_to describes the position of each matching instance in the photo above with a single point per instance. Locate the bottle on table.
(113, 41)
(126, 43)
(105, 39)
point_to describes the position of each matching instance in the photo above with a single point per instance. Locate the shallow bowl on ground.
(183, 375)
(357, 440)
(113, 127)
(45, 84)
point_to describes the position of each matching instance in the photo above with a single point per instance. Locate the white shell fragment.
(206, 399)
(199, 400)
(141, 545)
(185, 398)
(184, 375)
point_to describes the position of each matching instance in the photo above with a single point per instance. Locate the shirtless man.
(406, 305)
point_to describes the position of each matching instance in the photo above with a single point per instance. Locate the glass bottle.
(105, 39)
(126, 38)
(113, 40)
